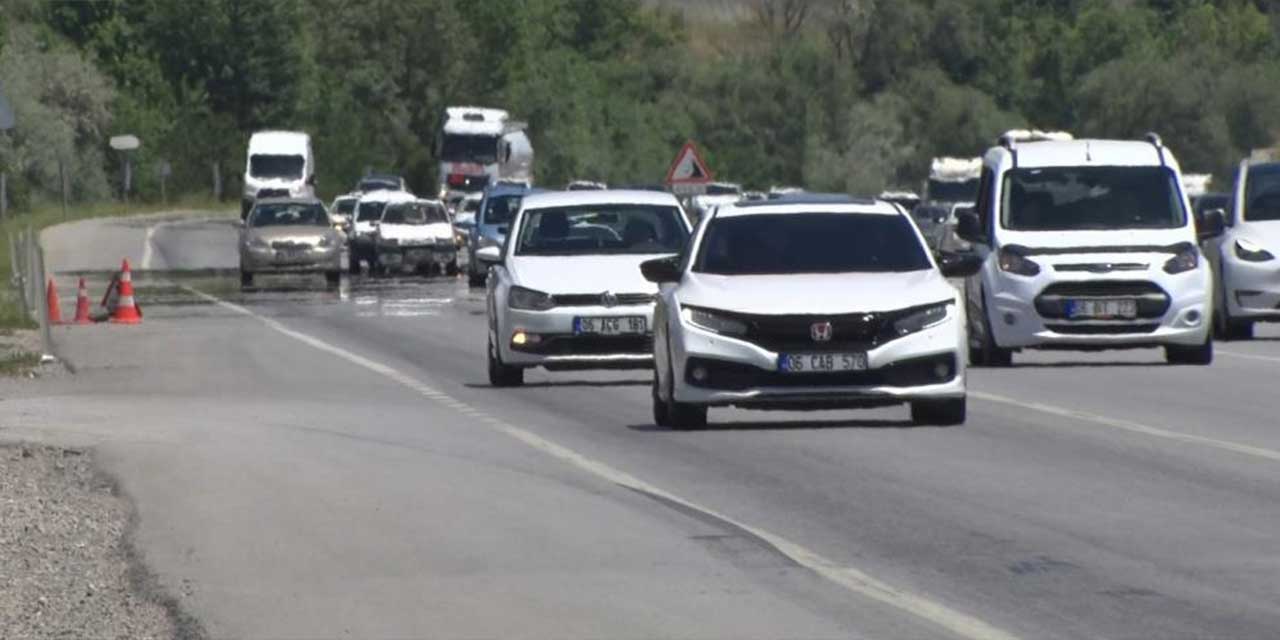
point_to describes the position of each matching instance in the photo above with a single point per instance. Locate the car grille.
(565, 345)
(733, 376)
(1102, 267)
(273, 193)
(849, 332)
(1102, 329)
(286, 245)
(1153, 302)
(598, 299)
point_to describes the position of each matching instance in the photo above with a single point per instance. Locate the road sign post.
(125, 144)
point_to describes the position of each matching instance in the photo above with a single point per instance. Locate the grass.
(16, 364)
(11, 316)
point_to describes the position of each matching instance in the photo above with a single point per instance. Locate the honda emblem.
(820, 331)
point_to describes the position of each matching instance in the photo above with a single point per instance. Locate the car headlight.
(1186, 259)
(522, 298)
(1017, 264)
(1249, 251)
(921, 319)
(713, 321)
(258, 243)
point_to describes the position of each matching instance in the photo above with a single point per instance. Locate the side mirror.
(661, 270)
(489, 254)
(1212, 224)
(959, 265)
(968, 226)
(311, 179)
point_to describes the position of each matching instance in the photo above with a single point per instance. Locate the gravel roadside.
(66, 564)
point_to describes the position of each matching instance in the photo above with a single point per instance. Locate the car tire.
(501, 375)
(353, 263)
(986, 353)
(1201, 354)
(333, 278)
(676, 415)
(452, 268)
(246, 278)
(941, 413)
(1227, 328)
(475, 281)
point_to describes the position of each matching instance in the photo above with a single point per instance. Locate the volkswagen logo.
(609, 299)
(821, 331)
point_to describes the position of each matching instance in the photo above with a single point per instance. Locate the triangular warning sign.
(688, 167)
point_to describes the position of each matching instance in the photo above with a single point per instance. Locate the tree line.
(845, 95)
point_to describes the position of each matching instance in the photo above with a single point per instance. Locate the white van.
(280, 164)
(1086, 244)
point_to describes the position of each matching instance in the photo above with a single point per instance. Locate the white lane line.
(147, 251)
(1248, 356)
(849, 577)
(1133, 427)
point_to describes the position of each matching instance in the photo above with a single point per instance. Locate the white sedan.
(808, 304)
(567, 292)
(416, 234)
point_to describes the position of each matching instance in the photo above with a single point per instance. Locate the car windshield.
(601, 229)
(765, 244)
(1262, 193)
(269, 166)
(288, 214)
(467, 148)
(413, 213)
(379, 184)
(1081, 198)
(345, 206)
(370, 211)
(964, 191)
(501, 209)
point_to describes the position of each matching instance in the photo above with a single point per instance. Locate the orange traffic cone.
(55, 307)
(82, 305)
(126, 307)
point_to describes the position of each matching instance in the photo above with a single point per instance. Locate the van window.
(272, 166)
(1084, 198)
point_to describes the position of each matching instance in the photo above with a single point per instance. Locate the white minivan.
(1086, 244)
(280, 164)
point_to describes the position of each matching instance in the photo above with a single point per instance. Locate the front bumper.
(416, 256)
(1252, 289)
(921, 366)
(255, 260)
(1183, 316)
(549, 340)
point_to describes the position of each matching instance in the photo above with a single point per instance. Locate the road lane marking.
(147, 251)
(849, 577)
(1248, 356)
(1133, 427)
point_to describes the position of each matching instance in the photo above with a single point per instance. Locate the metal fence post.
(46, 332)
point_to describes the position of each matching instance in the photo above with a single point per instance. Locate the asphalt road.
(332, 463)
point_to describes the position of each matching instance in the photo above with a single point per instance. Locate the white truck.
(479, 147)
(279, 164)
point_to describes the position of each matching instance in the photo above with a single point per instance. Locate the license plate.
(291, 254)
(613, 326)
(1102, 309)
(418, 254)
(821, 362)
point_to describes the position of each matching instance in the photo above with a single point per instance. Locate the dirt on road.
(66, 565)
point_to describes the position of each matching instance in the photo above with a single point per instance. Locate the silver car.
(289, 235)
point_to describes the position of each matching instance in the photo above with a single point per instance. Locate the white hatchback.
(566, 291)
(808, 304)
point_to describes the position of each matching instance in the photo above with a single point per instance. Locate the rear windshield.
(288, 213)
(267, 166)
(1088, 198)
(788, 243)
(370, 211)
(615, 229)
(414, 213)
(1262, 193)
(501, 209)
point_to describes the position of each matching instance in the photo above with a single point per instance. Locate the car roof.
(289, 200)
(506, 189)
(599, 196)
(283, 142)
(829, 204)
(387, 195)
(1089, 152)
